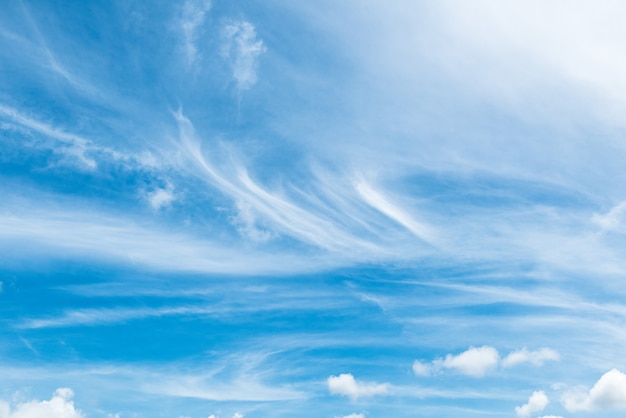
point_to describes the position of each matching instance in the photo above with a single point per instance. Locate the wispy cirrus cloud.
(383, 204)
(108, 316)
(76, 147)
(105, 237)
(192, 15)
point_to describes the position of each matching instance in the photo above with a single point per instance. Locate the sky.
(342, 209)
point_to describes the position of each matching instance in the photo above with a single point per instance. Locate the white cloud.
(613, 220)
(380, 202)
(473, 362)
(609, 392)
(74, 146)
(161, 197)
(536, 403)
(477, 362)
(355, 415)
(192, 17)
(551, 416)
(242, 49)
(536, 358)
(238, 415)
(277, 210)
(346, 385)
(247, 223)
(421, 369)
(110, 316)
(66, 230)
(59, 406)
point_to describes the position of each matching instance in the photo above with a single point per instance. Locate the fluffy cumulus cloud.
(609, 392)
(242, 49)
(536, 358)
(345, 384)
(59, 406)
(536, 403)
(475, 362)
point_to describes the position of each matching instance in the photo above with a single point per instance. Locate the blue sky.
(316, 209)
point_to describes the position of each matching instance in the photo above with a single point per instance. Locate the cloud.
(536, 403)
(475, 362)
(242, 49)
(283, 214)
(101, 236)
(384, 205)
(536, 358)
(551, 416)
(59, 406)
(613, 220)
(108, 316)
(247, 224)
(161, 197)
(355, 415)
(609, 392)
(346, 385)
(74, 149)
(243, 386)
(74, 146)
(236, 415)
(421, 369)
(192, 17)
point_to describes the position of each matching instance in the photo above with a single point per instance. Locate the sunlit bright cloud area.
(340, 209)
